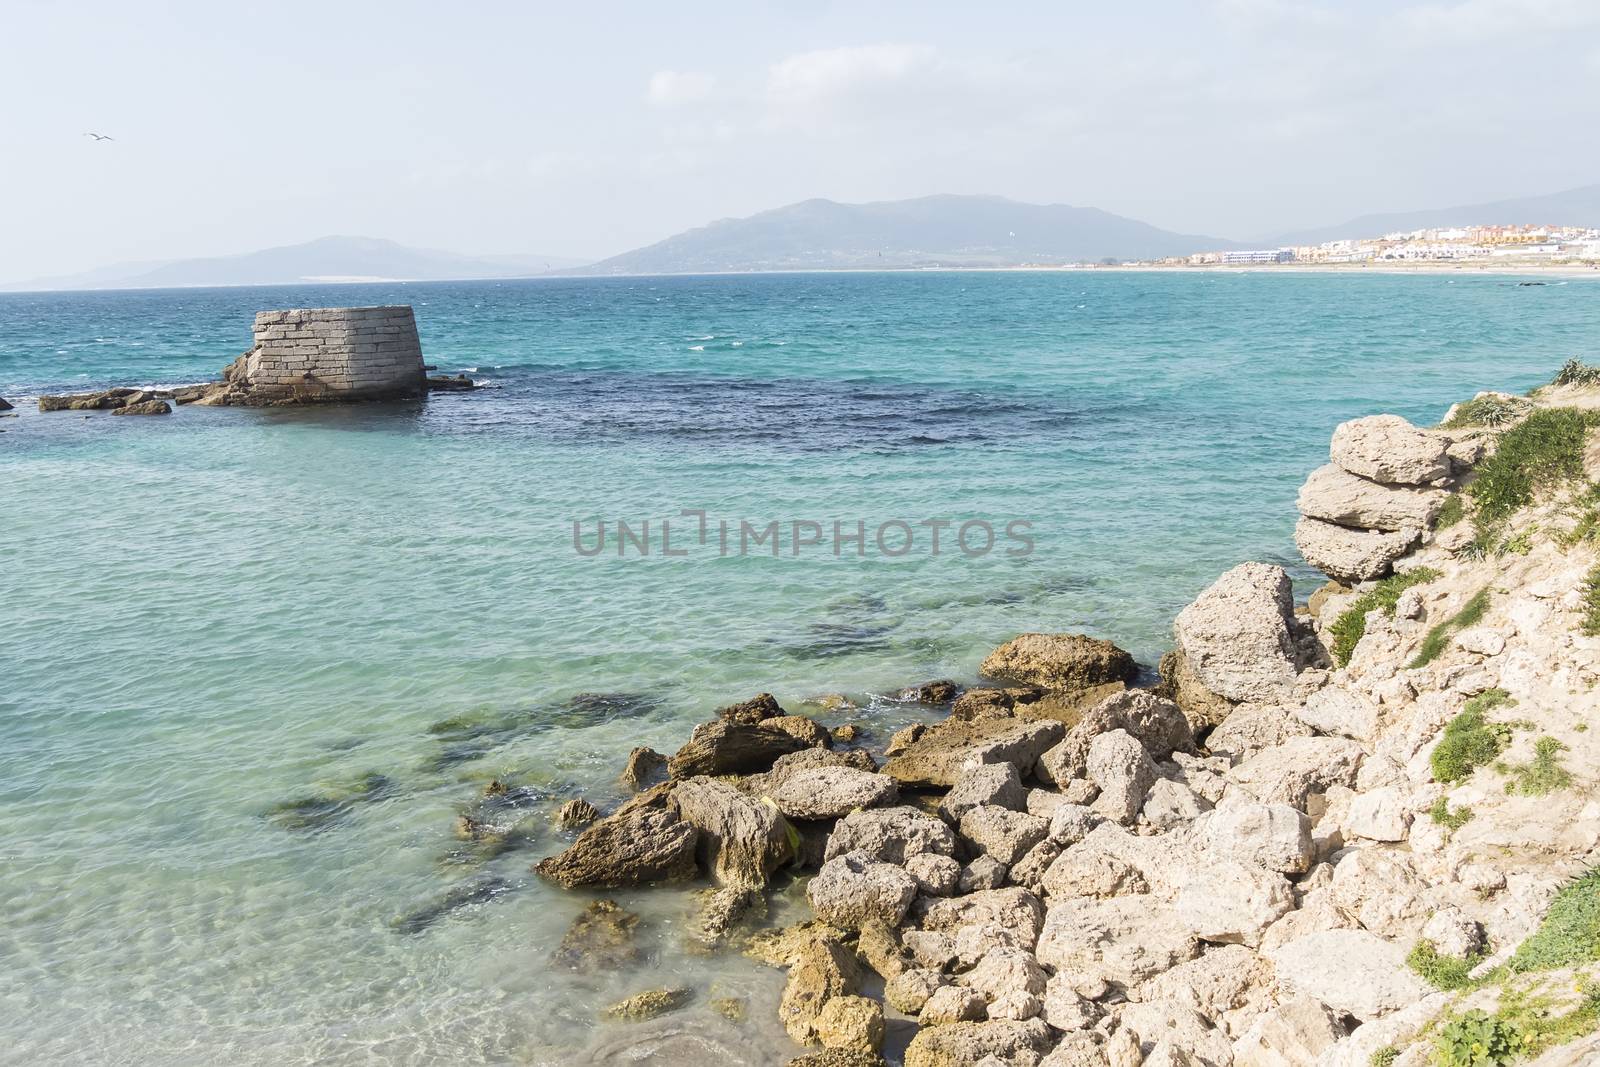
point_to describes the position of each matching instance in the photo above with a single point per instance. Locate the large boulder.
(1121, 940)
(1059, 661)
(1180, 684)
(1388, 449)
(1333, 494)
(1292, 1034)
(637, 848)
(855, 889)
(1002, 833)
(851, 1023)
(943, 752)
(1119, 765)
(1351, 555)
(996, 784)
(831, 792)
(1291, 772)
(965, 1044)
(1237, 637)
(1354, 972)
(728, 747)
(741, 839)
(890, 835)
(1274, 837)
(1156, 723)
(820, 969)
(1232, 902)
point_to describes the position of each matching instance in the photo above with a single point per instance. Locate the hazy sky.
(588, 128)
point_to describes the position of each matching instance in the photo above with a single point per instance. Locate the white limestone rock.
(1351, 971)
(1293, 1034)
(1334, 495)
(1338, 712)
(1388, 449)
(992, 784)
(1002, 833)
(1275, 837)
(1291, 772)
(831, 792)
(890, 834)
(1237, 635)
(1121, 940)
(1351, 555)
(1119, 765)
(1229, 901)
(854, 888)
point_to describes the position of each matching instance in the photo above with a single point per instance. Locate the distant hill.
(1575, 207)
(932, 231)
(325, 259)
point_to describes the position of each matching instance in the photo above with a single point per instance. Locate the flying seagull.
(100, 137)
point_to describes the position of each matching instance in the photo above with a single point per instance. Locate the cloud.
(674, 88)
(831, 73)
(1483, 19)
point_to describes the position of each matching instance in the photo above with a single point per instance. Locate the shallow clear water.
(210, 615)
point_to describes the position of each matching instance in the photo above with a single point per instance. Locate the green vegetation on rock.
(1438, 638)
(1589, 606)
(1570, 933)
(1478, 1039)
(1442, 972)
(1451, 820)
(1543, 775)
(1351, 624)
(1576, 372)
(1453, 511)
(1384, 1056)
(1490, 411)
(1469, 741)
(1545, 449)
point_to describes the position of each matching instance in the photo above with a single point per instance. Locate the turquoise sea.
(253, 664)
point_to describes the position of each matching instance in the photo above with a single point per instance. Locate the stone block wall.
(337, 353)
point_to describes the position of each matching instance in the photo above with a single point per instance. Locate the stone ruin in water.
(301, 356)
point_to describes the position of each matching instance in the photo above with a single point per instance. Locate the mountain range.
(930, 231)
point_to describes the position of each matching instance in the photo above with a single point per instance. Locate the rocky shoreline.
(1328, 837)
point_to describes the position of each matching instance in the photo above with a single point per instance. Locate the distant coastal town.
(1498, 246)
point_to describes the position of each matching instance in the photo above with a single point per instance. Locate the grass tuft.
(1469, 740)
(1543, 775)
(1438, 638)
(1545, 449)
(1444, 973)
(1453, 511)
(1576, 372)
(1384, 1057)
(1351, 624)
(1490, 411)
(1451, 819)
(1589, 606)
(1570, 933)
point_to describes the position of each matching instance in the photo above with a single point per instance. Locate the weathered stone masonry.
(336, 353)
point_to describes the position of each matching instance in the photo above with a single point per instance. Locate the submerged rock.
(318, 811)
(1059, 661)
(649, 1004)
(604, 936)
(636, 848)
(479, 891)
